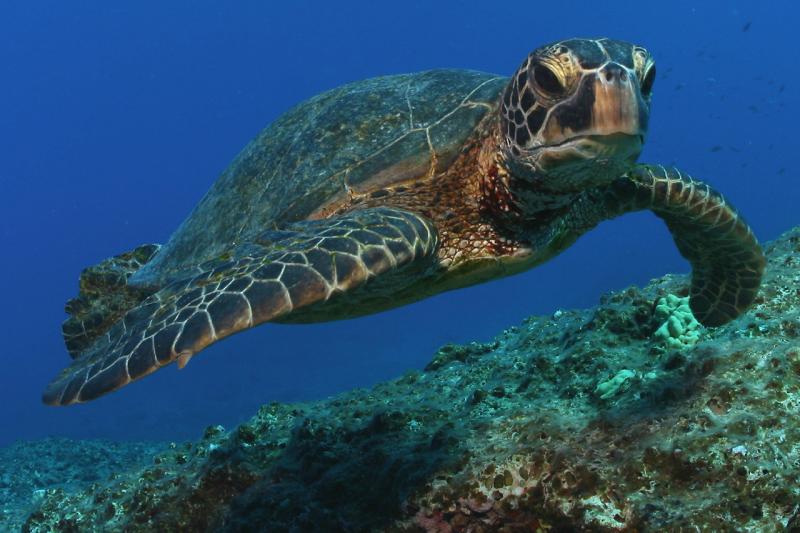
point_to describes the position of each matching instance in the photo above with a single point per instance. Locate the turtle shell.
(358, 137)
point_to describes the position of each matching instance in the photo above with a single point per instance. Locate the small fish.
(781, 171)
(781, 88)
(747, 25)
(715, 148)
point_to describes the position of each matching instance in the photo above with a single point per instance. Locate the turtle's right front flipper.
(281, 273)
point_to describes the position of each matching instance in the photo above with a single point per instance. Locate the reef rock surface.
(601, 419)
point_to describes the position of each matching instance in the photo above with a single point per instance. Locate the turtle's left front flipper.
(727, 261)
(273, 278)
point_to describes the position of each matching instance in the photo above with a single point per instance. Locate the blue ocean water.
(115, 118)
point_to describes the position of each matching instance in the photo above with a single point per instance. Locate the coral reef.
(587, 420)
(680, 328)
(61, 464)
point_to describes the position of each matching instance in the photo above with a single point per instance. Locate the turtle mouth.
(616, 150)
(626, 146)
(586, 160)
(580, 161)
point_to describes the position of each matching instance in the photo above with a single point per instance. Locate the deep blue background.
(115, 118)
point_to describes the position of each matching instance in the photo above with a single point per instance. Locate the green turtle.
(386, 191)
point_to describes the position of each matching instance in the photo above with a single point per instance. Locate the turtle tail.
(104, 296)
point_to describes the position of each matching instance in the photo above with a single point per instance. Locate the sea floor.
(30, 469)
(624, 417)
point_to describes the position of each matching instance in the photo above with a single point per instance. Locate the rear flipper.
(104, 297)
(284, 271)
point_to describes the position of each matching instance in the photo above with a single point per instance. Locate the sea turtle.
(389, 190)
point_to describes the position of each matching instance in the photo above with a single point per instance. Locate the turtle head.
(575, 115)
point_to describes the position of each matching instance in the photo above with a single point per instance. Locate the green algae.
(612, 387)
(679, 327)
(509, 436)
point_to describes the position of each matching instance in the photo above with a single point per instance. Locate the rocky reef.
(31, 470)
(625, 417)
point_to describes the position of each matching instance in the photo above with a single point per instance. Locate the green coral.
(610, 388)
(679, 328)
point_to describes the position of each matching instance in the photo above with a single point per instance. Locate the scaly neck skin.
(471, 204)
(518, 206)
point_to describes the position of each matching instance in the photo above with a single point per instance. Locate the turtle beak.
(607, 102)
(618, 106)
(604, 121)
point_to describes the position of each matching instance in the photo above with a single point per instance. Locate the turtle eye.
(547, 81)
(648, 81)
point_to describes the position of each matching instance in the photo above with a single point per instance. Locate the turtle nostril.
(613, 72)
